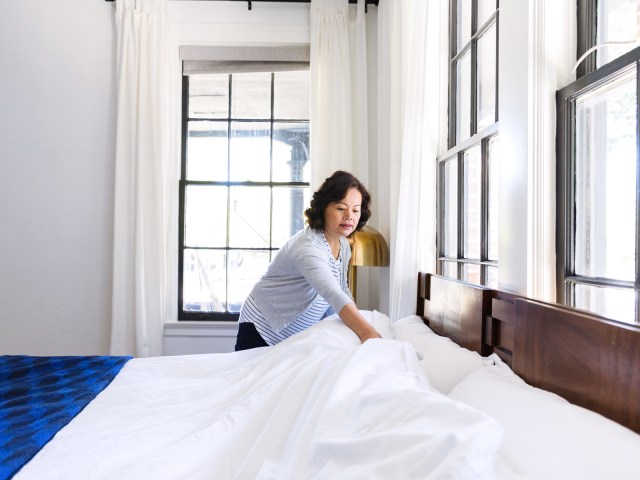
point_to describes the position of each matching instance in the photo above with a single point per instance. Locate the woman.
(307, 279)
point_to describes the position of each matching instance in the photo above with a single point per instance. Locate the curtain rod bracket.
(249, 4)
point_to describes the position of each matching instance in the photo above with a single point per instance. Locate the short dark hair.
(334, 189)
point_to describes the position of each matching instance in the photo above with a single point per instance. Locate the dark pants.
(248, 337)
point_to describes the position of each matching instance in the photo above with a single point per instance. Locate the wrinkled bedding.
(316, 406)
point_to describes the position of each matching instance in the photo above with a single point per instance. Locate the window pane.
(250, 151)
(249, 217)
(463, 98)
(291, 95)
(464, 23)
(487, 78)
(609, 302)
(245, 268)
(450, 269)
(207, 148)
(492, 277)
(251, 95)
(451, 208)
(291, 152)
(206, 216)
(605, 177)
(289, 204)
(617, 22)
(485, 10)
(209, 96)
(204, 281)
(494, 204)
(471, 273)
(472, 210)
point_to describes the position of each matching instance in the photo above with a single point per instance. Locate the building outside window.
(468, 170)
(598, 166)
(245, 178)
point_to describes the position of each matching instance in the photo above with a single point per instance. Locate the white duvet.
(317, 406)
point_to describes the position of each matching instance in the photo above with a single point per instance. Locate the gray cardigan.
(298, 273)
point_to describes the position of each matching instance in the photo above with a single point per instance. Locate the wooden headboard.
(587, 359)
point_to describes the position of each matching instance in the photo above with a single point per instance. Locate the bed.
(478, 384)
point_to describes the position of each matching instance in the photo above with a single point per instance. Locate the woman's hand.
(372, 333)
(353, 319)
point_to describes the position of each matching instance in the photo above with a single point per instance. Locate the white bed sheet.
(317, 406)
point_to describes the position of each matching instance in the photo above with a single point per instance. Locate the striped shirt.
(312, 315)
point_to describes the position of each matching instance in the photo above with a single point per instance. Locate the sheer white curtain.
(141, 210)
(408, 126)
(338, 69)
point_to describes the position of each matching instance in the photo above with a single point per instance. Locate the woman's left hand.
(352, 317)
(371, 333)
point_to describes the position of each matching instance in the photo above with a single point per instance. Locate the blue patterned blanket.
(40, 395)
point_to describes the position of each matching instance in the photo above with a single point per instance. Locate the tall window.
(468, 170)
(598, 167)
(245, 179)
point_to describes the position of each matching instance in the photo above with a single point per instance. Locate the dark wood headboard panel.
(587, 359)
(499, 326)
(454, 309)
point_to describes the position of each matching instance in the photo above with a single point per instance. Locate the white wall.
(57, 97)
(57, 102)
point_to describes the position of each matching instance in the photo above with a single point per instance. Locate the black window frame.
(455, 152)
(588, 77)
(587, 26)
(566, 278)
(187, 315)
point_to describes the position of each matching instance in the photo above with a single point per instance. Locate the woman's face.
(341, 218)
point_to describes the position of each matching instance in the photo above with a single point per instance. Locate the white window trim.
(553, 27)
(536, 55)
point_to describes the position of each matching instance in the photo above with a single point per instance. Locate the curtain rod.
(366, 3)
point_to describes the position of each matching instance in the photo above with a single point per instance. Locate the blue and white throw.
(40, 395)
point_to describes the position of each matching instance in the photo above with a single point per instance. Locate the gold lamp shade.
(368, 249)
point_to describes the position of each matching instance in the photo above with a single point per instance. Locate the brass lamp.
(368, 249)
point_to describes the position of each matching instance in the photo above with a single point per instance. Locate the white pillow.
(444, 362)
(547, 437)
(409, 325)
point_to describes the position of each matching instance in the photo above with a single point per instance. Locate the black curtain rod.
(366, 3)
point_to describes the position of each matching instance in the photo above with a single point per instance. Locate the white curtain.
(338, 90)
(408, 126)
(139, 300)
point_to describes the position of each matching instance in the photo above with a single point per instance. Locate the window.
(598, 168)
(607, 29)
(245, 178)
(468, 170)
